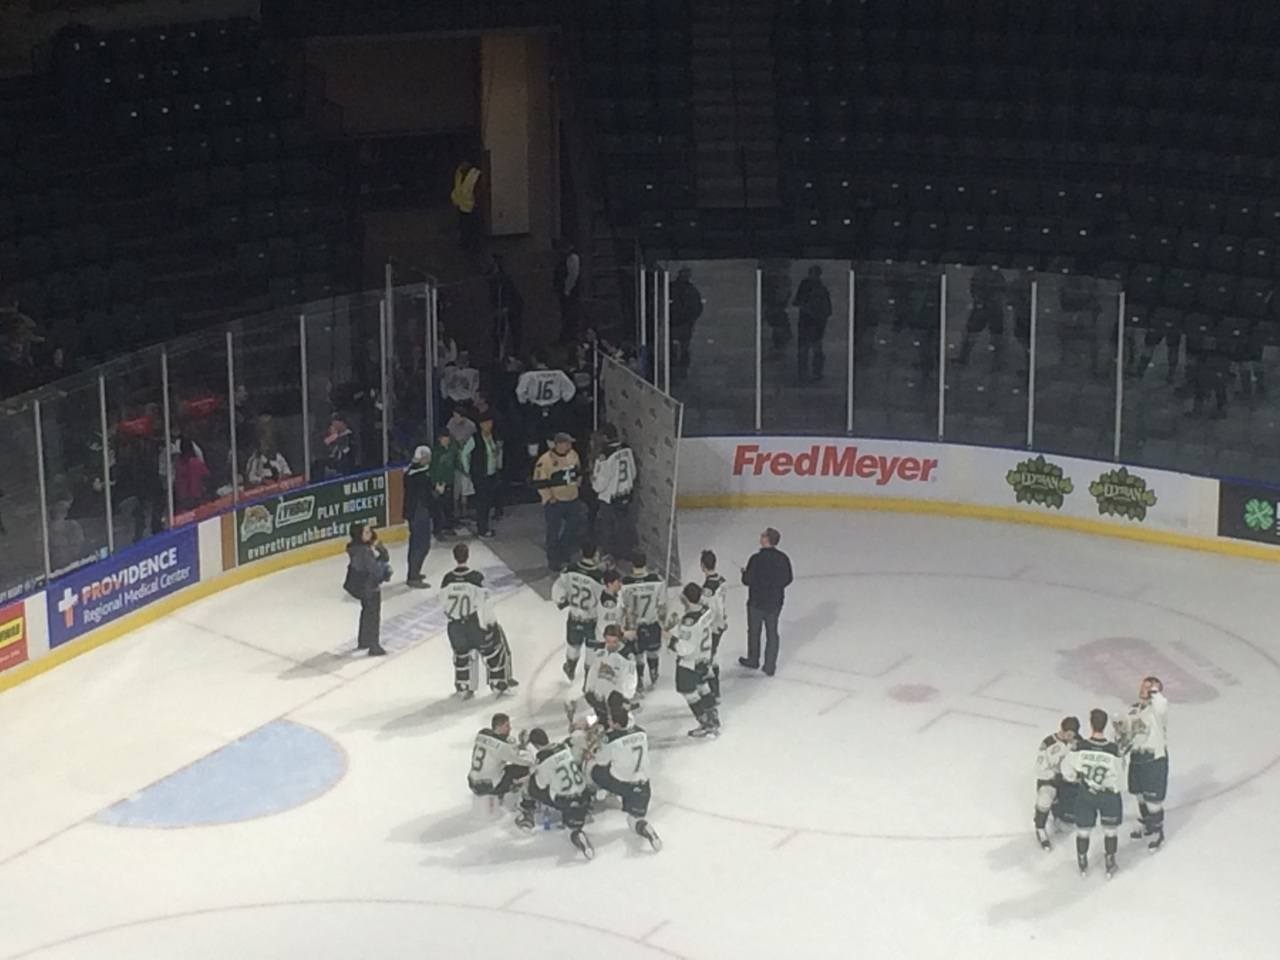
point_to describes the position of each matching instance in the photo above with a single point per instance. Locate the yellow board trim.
(176, 601)
(1100, 528)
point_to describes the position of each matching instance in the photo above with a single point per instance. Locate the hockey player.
(713, 595)
(1095, 765)
(497, 766)
(544, 394)
(578, 591)
(557, 781)
(644, 597)
(691, 642)
(472, 627)
(613, 476)
(621, 766)
(1143, 731)
(613, 671)
(1053, 794)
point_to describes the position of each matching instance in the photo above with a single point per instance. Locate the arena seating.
(157, 180)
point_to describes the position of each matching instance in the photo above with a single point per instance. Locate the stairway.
(734, 104)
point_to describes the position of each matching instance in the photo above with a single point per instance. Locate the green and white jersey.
(1095, 764)
(692, 636)
(644, 595)
(559, 771)
(1145, 727)
(578, 591)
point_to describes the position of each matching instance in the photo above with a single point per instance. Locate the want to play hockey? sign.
(127, 581)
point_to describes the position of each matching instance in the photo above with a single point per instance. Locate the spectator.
(340, 460)
(482, 463)
(417, 512)
(545, 394)
(365, 575)
(567, 281)
(775, 294)
(987, 290)
(766, 576)
(459, 382)
(557, 476)
(190, 477)
(508, 312)
(66, 537)
(444, 467)
(463, 197)
(266, 464)
(686, 308)
(813, 304)
(461, 429)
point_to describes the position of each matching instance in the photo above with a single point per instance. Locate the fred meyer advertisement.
(13, 636)
(127, 581)
(321, 513)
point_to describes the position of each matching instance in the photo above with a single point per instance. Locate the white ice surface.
(873, 800)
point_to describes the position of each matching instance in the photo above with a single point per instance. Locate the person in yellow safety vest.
(463, 197)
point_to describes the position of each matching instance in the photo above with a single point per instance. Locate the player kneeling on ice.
(1053, 794)
(557, 781)
(621, 766)
(497, 764)
(1095, 765)
(691, 641)
(472, 628)
(1141, 734)
(613, 673)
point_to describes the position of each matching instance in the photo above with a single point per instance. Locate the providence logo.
(1038, 481)
(1122, 494)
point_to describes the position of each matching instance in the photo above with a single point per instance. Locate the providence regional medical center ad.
(125, 582)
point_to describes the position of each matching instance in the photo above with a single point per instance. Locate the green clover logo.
(1259, 514)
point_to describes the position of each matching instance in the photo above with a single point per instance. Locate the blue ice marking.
(272, 769)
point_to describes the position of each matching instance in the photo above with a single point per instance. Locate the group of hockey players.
(615, 630)
(1078, 777)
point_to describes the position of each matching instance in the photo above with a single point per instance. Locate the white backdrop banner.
(722, 469)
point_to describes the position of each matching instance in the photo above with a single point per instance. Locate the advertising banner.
(1249, 512)
(127, 581)
(1135, 497)
(13, 636)
(319, 513)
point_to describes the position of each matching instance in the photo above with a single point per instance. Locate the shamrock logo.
(1259, 514)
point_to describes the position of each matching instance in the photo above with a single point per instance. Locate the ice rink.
(228, 782)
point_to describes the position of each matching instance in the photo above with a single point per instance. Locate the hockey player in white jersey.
(613, 671)
(644, 597)
(544, 394)
(713, 595)
(613, 477)
(1053, 794)
(497, 763)
(577, 590)
(621, 766)
(473, 628)
(1142, 732)
(557, 781)
(1095, 765)
(691, 643)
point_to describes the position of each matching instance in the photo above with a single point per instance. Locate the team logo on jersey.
(256, 520)
(1039, 481)
(1122, 494)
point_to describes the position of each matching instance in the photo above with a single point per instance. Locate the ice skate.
(1082, 861)
(1043, 836)
(464, 693)
(1111, 865)
(583, 843)
(645, 829)
(525, 821)
(1157, 841)
(570, 668)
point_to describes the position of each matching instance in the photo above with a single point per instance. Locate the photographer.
(368, 567)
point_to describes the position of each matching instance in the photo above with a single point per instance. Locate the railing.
(1059, 363)
(191, 428)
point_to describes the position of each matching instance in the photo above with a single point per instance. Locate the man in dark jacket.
(766, 576)
(686, 308)
(417, 511)
(813, 300)
(364, 581)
